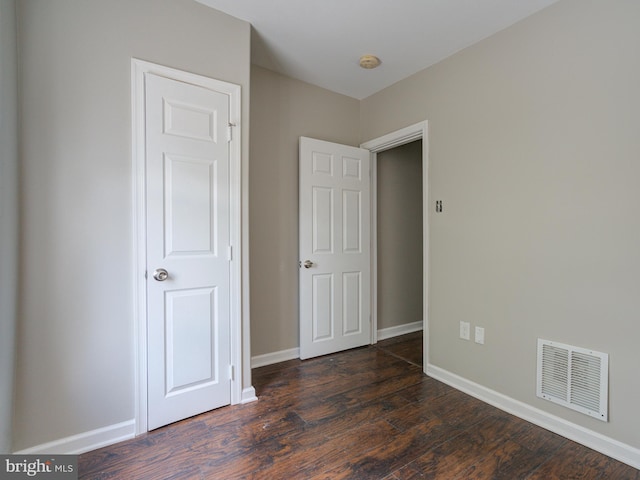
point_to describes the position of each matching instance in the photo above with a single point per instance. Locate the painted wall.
(76, 362)
(8, 214)
(399, 219)
(282, 110)
(535, 151)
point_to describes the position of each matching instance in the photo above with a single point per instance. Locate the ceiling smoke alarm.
(369, 61)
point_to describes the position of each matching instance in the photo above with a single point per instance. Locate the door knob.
(160, 274)
(308, 264)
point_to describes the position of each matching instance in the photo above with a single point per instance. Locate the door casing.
(238, 355)
(418, 131)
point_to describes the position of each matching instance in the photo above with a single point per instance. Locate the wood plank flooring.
(368, 413)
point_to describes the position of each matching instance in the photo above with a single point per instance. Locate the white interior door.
(335, 281)
(188, 227)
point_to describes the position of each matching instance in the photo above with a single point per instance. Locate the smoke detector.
(369, 61)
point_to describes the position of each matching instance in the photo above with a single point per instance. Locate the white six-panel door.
(187, 197)
(334, 247)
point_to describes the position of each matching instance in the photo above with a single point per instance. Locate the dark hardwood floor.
(368, 413)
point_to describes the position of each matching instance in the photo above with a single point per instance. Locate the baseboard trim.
(390, 332)
(84, 442)
(589, 438)
(275, 357)
(293, 353)
(248, 395)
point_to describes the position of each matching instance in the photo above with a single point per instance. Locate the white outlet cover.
(465, 330)
(480, 335)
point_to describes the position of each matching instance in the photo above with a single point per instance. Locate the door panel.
(323, 318)
(335, 238)
(189, 335)
(187, 182)
(352, 303)
(351, 221)
(190, 221)
(322, 220)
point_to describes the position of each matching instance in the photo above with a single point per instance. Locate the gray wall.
(534, 149)
(399, 219)
(8, 213)
(76, 364)
(282, 110)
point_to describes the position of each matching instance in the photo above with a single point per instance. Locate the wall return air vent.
(575, 377)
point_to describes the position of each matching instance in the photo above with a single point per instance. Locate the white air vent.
(574, 377)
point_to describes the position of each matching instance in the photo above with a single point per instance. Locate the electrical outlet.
(480, 335)
(465, 330)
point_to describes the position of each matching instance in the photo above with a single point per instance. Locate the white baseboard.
(390, 332)
(84, 442)
(601, 443)
(248, 395)
(275, 357)
(293, 353)
(102, 437)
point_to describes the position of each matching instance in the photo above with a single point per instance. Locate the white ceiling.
(320, 41)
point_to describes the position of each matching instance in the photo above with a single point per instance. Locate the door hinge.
(230, 131)
(231, 372)
(229, 253)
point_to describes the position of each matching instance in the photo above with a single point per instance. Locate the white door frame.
(395, 139)
(138, 70)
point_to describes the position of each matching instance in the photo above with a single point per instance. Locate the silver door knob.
(160, 274)
(308, 264)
